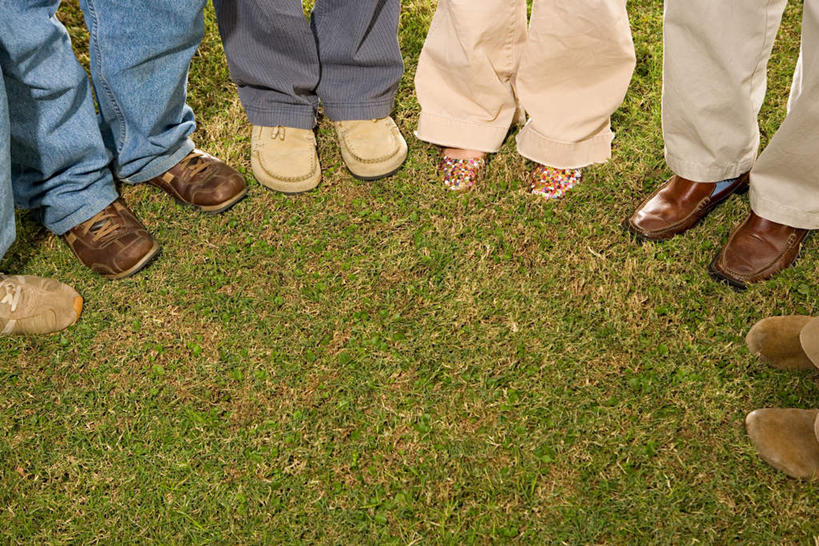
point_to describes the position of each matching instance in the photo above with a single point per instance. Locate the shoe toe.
(786, 439)
(776, 341)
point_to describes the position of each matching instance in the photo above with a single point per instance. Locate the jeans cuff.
(161, 164)
(91, 208)
(7, 238)
(361, 111)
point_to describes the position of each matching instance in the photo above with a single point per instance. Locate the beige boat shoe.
(285, 159)
(33, 305)
(786, 343)
(787, 440)
(372, 149)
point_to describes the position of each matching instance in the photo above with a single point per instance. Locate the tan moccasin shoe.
(284, 159)
(786, 439)
(33, 305)
(785, 342)
(372, 149)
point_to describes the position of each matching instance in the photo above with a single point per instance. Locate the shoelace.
(101, 226)
(194, 163)
(13, 293)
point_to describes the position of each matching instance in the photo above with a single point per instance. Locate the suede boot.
(787, 439)
(780, 342)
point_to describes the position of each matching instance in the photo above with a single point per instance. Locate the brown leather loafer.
(756, 251)
(204, 182)
(677, 206)
(113, 243)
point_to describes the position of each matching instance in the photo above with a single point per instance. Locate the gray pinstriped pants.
(346, 58)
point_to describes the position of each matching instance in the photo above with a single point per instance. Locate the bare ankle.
(460, 153)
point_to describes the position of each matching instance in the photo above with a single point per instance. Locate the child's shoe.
(372, 149)
(284, 159)
(461, 174)
(551, 183)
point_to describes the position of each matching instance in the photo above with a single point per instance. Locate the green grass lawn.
(391, 363)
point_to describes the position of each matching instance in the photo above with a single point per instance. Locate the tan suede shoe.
(787, 439)
(372, 149)
(809, 336)
(776, 341)
(284, 159)
(32, 305)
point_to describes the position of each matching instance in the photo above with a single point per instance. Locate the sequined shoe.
(551, 183)
(461, 174)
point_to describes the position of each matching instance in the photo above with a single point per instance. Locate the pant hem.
(7, 239)
(353, 112)
(161, 164)
(88, 211)
(782, 214)
(564, 155)
(297, 118)
(456, 133)
(702, 172)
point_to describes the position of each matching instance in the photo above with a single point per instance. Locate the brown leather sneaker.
(113, 243)
(203, 181)
(756, 251)
(677, 206)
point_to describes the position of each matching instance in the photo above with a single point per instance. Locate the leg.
(361, 63)
(273, 59)
(7, 229)
(784, 187)
(716, 56)
(140, 55)
(464, 79)
(574, 74)
(60, 164)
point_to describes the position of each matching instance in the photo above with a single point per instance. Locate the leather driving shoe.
(786, 439)
(285, 159)
(204, 182)
(113, 243)
(33, 305)
(756, 251)
(678, 205)
(786, 343)
(372, 149)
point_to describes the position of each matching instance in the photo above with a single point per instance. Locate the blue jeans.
(59, 164)
(6, 199)
(62, 153)
(140, 55)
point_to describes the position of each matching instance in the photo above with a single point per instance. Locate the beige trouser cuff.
(782, 213)
(700, 172)
(564, 155)
(456, 133)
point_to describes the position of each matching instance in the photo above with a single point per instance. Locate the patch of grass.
(390, 363)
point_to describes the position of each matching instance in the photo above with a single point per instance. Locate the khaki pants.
(716, 56)
(570, 71)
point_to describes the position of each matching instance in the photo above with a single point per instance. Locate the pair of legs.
(27, 304)
(65, 158)
(484, 67)
(788, 439)
(346, 58)
(714, 86)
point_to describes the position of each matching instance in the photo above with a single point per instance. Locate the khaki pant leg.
(464, 78)
(785, 179)
(714, 83)
(574, 74)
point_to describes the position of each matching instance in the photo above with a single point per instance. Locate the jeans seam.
(123, 128)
